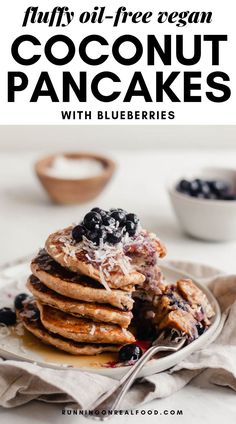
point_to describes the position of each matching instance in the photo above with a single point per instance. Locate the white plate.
(28, 348)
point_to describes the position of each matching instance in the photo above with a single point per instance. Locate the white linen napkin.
(21, 382)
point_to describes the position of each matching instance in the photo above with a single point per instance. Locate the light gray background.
(94, 137)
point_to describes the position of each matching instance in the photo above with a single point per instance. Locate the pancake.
(77, 287)
(192, 294)
(179, 320)
(61, 247)
(96, 312)
(44, 262)
(67, 345)
(80, 329)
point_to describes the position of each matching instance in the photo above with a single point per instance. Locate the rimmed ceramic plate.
(25, 347)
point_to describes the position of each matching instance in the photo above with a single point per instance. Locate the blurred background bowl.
(74, 191)
(212, 220)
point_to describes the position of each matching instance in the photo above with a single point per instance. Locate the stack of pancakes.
(74, 311)
(83, 295)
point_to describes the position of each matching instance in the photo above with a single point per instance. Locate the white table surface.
(140, 186)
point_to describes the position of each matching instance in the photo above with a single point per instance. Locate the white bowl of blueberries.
(205, 203)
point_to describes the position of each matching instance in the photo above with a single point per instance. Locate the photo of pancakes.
(97, 286)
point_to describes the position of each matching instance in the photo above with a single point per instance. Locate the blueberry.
(92, 236)
(96, 235)
(78, 232)
(19, 300)
(7, 316)
(200, 329)
(101, 212)
(130, 352)
(205, 189)
(195, 187)
(118, 215)
(92, 220)
(183, 186)
(219, 187)
(132, 217)
(130, 227)
(108, 221)
(115, 237)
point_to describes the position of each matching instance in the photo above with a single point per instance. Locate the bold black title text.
(158, 50)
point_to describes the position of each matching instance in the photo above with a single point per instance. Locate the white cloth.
(21, 382)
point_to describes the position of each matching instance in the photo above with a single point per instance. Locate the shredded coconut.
(103, 280)
(105, 257)
(74, 168)
(109, 258)
(124, 331)
(92, 330)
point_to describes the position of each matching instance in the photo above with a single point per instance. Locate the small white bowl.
(213, 220)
